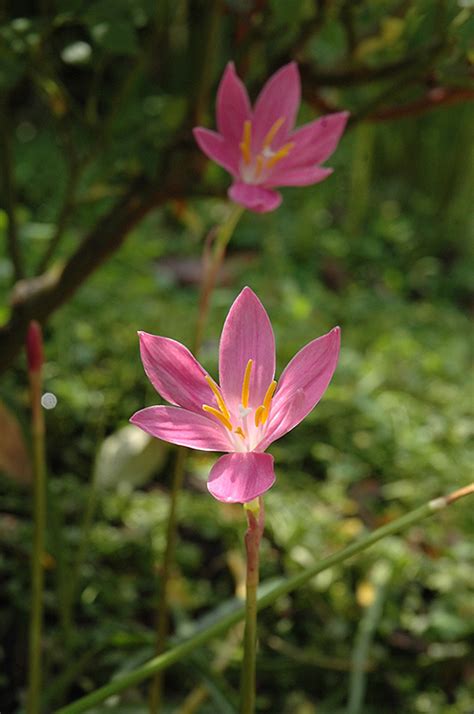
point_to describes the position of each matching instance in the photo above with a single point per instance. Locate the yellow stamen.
(215, 412)
(246, 384)
(280, 154)
(271, 134)
(246, 143)
(268, 395)
(262, 412)
(259, 166)
(258, 414)
(240, 432)
(218, 396)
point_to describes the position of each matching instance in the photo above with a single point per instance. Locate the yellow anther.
(280, 154)
(271, 134)
(215, 412)
(269, 394)
(240, 432)
(246, 143)
(218, 396)
(246, 384)
(262, 412)
(259, 414)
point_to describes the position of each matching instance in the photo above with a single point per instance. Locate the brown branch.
(366, 75)
(39, 297)
(435, 98)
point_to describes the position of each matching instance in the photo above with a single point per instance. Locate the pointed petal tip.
(291, 66)
(246, 290)
(145, 338)
(133, 419)
(246, 295)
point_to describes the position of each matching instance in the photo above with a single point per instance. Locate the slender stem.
(39, 517)
(364, 638)
(211, 270)
(255, 517)
(269, 593)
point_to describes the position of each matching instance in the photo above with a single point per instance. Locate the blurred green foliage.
(383, 248)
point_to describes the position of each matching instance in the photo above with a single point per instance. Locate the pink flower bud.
(34, 346)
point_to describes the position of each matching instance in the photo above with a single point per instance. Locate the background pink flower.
(248, 411)
(259, 147)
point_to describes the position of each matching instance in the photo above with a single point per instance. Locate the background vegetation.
(98, 99)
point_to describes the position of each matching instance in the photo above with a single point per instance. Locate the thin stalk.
(364, 638)
(39, 520)
(256, 519)
(268, 594)
(211, 269)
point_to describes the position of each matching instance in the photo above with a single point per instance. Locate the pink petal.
(174, 372)
(307, 375)
(233, 106)
(217, 148)
(239, 478)
(304, 176)
(179, 426)
(247, 334)
(255, 198)
(282, 419)
(316, 141)
(279, 98)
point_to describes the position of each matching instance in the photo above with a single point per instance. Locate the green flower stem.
(268, 593)
(37, 566)
(365, 634)
(256, 519)
(211, 267)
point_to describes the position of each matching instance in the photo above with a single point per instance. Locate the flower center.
(255, 169)
(249, 431)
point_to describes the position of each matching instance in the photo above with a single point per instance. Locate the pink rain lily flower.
(259, 146)
(248, 411)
